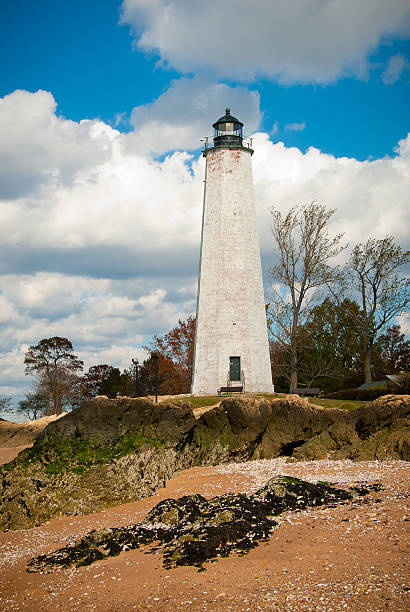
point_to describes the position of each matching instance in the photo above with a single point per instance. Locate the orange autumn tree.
(176, 354)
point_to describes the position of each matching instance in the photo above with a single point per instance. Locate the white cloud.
(116, 214)
(44, 294)
(38, 148)
(404, 322)
(103, 325)
(305, 41)
(12, 370)
(295, 127)
(371, 197)
(180, 116)
(396, 65)
(110, 257)
(7, 310)
(275, 128)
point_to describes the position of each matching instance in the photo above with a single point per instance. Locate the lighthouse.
(231, 339)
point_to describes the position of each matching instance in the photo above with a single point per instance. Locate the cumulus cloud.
(308, 42)
(38, 148)
(110, 256)
(396, 65)
(96, 248)
(104, 325)
(181, 115)
(371, 197)
(121, 214)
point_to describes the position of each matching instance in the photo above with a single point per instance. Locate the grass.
(269, 395)
(335, 403)
(201, 401)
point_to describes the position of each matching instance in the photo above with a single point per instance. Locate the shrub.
(364, 395)
(404, 383)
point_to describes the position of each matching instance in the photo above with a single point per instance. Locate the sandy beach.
(349, 557)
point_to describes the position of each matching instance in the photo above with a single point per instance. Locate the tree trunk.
(366, 354)
(293, 368)
(367, 366)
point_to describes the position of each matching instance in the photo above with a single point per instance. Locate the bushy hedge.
(364, 395)
(404, 382)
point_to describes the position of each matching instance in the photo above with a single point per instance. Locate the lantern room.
(228, 131)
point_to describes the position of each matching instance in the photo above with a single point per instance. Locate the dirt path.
(352, 557)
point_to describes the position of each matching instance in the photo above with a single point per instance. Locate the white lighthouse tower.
(231, 339)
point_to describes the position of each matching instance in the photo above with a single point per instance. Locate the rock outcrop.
(243, 428)
(106, 453)
(378, 430)
(113, 451)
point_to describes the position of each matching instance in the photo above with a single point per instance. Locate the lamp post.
(136, 364)
(155, 357)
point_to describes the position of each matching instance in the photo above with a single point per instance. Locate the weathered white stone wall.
(231, 318)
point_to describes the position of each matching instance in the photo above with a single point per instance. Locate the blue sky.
(78, 50)
(102, 107)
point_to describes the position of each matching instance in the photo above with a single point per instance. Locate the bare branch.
(384, 294)
(304, 248)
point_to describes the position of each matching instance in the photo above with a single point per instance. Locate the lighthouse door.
(235, 368)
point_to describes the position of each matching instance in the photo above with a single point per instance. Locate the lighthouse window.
(228, 129)
(234, 368)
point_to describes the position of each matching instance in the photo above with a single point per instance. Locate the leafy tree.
(330, 349)
(304, 249)
(280, 365)
(176, 350)
(34, 406)
(391, 353)
(53, 362)
(167, 379)
(116, 383)
(93, 379)
(382, 292)
(106, 380)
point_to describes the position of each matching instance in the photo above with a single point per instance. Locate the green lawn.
(335, 403)
(325, 403)
(201, 401)
(270, 395)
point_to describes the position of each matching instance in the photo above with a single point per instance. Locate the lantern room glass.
(228, 129)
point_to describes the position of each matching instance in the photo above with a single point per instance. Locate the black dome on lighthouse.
(227, 118)
(228, 131)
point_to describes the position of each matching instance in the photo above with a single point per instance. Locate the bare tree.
(383, 293)
(304, 247)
